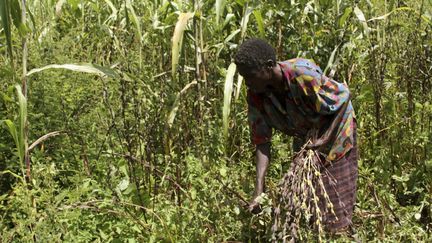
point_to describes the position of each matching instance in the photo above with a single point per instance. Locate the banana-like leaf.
(175, 106)
(227, 97)
(177, 40)
(85, 67)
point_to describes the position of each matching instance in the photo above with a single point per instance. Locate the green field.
(125, 120)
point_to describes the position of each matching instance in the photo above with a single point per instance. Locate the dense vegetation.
(147, 133)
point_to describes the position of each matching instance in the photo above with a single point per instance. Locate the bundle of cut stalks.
(303, 201)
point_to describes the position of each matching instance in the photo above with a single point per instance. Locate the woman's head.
(255, 60)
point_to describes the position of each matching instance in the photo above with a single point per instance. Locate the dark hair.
(254, 53)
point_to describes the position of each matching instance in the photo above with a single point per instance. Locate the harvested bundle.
(303, 201)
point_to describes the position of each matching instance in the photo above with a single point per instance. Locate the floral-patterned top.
(310, 101)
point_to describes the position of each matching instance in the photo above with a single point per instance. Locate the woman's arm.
(262, 157)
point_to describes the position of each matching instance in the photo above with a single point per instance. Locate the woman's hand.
(262, 157)
(254, 206)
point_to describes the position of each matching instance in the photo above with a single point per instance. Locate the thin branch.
(43, 138)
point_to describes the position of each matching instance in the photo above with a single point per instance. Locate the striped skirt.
(341, 188)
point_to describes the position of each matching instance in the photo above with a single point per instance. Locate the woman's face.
(257, 80)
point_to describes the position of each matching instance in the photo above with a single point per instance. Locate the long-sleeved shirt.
(310, 100)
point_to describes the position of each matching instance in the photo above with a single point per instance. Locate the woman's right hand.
(254, 206)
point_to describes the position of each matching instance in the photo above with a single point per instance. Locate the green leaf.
(231, 36)
(135, 20)
(132, 240)
(103, 235)
(223, 172)
(403, 178)
(124, 183)
(219, 6)
(228, 18)
(15, 12)
(345, 16)
(244, 21)
(362, 19)
(85, 68)
(59, 7)
(175, 106)
(193, 193)
(259, 20)
(331, 59)
(22, 143)
(236, 210)
(5, 17)
(12, 130)
(113, 9)
(428, 164)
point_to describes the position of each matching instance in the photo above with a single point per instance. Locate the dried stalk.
(300, 191)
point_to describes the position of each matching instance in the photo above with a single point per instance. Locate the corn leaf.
(238, 87)
(245, 21)
(22, 101)
(259, 20)
(362, 19)
(177, 40)
(85, 67)
(219, 5)
(229, 38)
(114, 10)
(15, 13)
(175, 106)
(331, 59)
(135, 20)
(227, 97)
(423, 16)
(5, 17)
(228, 18)
(12, 130)
(345, 16)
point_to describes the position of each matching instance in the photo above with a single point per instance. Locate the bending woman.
(295, 98)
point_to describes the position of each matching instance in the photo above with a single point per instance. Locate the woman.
(296, 98)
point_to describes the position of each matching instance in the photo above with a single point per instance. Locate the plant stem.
(24, 88)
